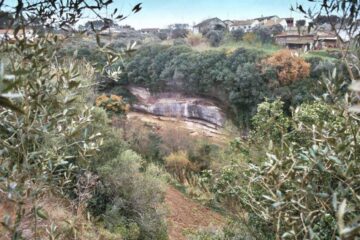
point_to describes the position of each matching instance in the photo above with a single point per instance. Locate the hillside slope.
(186, 215)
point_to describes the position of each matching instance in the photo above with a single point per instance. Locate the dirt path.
(185, 214)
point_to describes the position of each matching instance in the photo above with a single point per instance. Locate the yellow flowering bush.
(112, 103)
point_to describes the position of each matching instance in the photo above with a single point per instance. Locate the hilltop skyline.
(161, 13)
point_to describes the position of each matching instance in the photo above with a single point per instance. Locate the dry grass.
(60, 213)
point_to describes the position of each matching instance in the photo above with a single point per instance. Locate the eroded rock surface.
(177, 105)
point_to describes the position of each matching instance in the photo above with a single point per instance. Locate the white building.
(8, 34)
(246, 25)
(273, 22)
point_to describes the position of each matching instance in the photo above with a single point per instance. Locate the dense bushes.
(240, 80)
(56, 145)
(45, 145)
(113, 104)
(289, 68)
(237, 34)
(132, 198)
(306, 183)
(179, 165)
(127, 199)
(214, 37)
(249, 37)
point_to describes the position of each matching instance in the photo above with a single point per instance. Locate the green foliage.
(50, 135)
(248, 90)
(179, 33)
(112, 143)
(148, 63)
(113, 104)
(214, 37)
(148, 144)
(84, 51)
(270, 122)
(126, 200)
(317, 159)
(129, 197)
(46, 144)
(318, 113)
(237, 79)
(237, 34)
(263, 34)
(202, 155)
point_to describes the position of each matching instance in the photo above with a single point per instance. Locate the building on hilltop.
(178, 30)
(325, 40)
(268, 22)
(246, 25)
(272, 22)
(117, 29)
(313, 41)
(295, 41)
(150, 30)
(182, 26)
(228, 23)
(210, 24)
(263, 20)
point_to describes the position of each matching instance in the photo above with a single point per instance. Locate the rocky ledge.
(178, 106)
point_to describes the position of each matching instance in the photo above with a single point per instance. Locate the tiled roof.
(242, 22)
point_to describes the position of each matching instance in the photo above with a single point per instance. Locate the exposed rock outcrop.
(177, 105)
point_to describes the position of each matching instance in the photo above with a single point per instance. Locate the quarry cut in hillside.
(176, 105)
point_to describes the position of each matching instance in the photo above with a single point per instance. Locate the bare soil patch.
(186, 215)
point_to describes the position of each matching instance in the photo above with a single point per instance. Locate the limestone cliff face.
(176, 105)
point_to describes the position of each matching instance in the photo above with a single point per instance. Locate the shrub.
(289, 67)
(202, 155)
(174, 140)
(179, 33)
(178, 165)
(194, 39)
(263, 34)
(112, 143)
(162, 35)
(270, 122)
(300, 189)
(249, 37)
(113, 104)
(214, 37)
(146, 141)
(130, 196)
(179, 42)
(44, 141)
(276, 29)
(237, 34)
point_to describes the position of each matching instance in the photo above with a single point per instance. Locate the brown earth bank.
(185, 215)
(195, 128)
